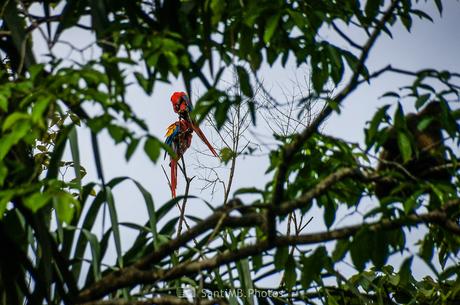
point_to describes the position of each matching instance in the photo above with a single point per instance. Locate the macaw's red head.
(180, 102)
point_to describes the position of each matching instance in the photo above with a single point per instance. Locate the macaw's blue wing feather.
(171, 134)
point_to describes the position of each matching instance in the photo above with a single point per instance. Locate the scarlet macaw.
(183, 106)
(179, 137)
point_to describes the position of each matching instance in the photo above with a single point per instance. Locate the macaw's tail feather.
(203, 138)
(173, 165)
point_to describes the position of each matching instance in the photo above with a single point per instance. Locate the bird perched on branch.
(179, 137)
(179, 134)
(183, 106)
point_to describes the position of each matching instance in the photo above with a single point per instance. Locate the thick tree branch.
(439, 217)
(318, 190)
(131, 276)
(124, 277)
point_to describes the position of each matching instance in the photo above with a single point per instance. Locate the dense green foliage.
(47, 230)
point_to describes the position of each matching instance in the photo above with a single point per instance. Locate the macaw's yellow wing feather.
(170, 129)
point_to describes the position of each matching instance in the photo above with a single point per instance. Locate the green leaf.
(257, 262)
(439, 5)
(17, 25)
(252, 111)
(226, 154)
(421, 100)
(271, 27)
(405, 272)
(424, 123)
(281, 257)
(379, 117)
(290, 275)
(12, 119)
(88, 222)
(117, 133)
(148, 199)
(131, 148)
(5, 198)
(35, 71)
(405, 146)
(165, 208)
(220, 114)
(218, 8)
(336, 64)
(329, 211)
(245, 276)
(3, 103)
(391, 94)
(412, 202)
(318, 78)
(3, 173)
(248, 190)
(359, 249)
(73, 141)
(36, 201)
(422, 15)
(378, 248)
(245, 84)
(145, 83)
(340, 250)
(312, 266)
(114, 224)
(66, 206)
(406, 21)
(372, 8)
(95, 252)
(39, 108)
(427, 249)
(152, 148)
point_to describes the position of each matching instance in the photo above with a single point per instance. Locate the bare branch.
(289, 151)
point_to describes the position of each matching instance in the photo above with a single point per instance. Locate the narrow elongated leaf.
(88, 224)
(405, 146)
(95, 252)
(281, 257)
(150, 209)
(245, 83)
(312, 266)
(114, 224)
(73, 141)
(152, 148)
(290, 275)
(270, 28)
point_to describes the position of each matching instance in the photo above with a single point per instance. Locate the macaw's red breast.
(179, 137)
(185, 126)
